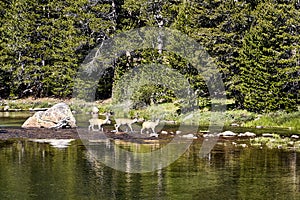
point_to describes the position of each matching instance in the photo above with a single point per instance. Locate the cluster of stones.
(230, 134)
(276, 141)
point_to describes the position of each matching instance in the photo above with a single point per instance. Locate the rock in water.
(6, 108)
(51, 118)
(227, 134)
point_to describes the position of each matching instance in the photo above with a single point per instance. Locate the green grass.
(168, 111)
(276, 142)
(204, 117)
(240, 116)
(26, 104)
(277, 119)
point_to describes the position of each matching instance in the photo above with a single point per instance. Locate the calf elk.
(99, 122)
(124, 121)
(150, 125)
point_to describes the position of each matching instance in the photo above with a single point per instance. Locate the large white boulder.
(51, 118)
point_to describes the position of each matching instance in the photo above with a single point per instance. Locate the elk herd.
(146, 125)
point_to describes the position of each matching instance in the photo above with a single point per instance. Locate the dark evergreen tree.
(5, 55)
(44, 42)
(255, 45)
(269, 65)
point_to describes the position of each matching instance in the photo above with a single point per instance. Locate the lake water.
(13, 119)
(36, 170)
(32, 170)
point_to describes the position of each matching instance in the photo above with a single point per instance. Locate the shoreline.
(43, 133)
(37, 133)
(232, 118)
(83, 133)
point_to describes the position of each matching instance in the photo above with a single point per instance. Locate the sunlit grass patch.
(277, 119)
(166, 111)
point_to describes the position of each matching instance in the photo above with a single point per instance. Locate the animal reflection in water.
(99, 122)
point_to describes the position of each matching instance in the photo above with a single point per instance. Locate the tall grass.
(277, 119)
(166, 111)
(169, 111)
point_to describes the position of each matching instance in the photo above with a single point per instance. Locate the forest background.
(255, 45)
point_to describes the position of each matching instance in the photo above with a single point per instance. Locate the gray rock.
(267, 135)
(55, 117)
(247, 134)
(250, 134)
(189, 136)
(227, 134)
(6, 108)
(295, 136)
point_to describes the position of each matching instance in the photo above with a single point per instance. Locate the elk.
(99, 122)
(150, 125)
(124, 121)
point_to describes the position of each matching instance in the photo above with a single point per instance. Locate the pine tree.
(44, 42)
(269, 66)
(5, 55)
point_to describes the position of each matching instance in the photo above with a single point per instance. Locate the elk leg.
(153, 130)
(117, 127)
(130, 128)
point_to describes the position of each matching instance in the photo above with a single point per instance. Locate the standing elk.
(125, 121)
(99, 122)
(150, 125)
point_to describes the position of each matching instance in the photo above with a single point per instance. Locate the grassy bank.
(29, 103)
(169, 111)
(277, 119)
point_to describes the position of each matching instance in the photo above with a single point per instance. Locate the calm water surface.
(13, 119)
(31, 170)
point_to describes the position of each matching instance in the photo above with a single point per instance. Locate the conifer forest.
(255, 44)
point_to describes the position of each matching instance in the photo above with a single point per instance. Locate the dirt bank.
(79, 133)
(9, 133)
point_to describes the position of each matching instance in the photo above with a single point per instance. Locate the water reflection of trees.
(29, 169)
